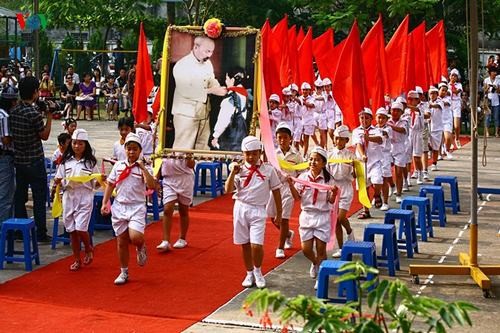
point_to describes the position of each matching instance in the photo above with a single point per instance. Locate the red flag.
(279, 54)
(322, 51)
(300, 36)
(373, 49)
(436, 47)
(420, 63)
(396, 54)
(337, 50)
(20, 20)
(293, 54)
(349, 83)
(306, 72)
(268, 68)
(410, 65)
(143, 79)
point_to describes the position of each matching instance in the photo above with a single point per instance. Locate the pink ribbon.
(333, 221)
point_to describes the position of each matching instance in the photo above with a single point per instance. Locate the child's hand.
(289, 180)
(235, 167)
(105, 209)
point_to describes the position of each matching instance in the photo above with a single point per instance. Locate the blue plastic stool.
(424, 225)
(438, 211)
(200, 178)
(29, 253)
(57, 237)
(407, 223)
(154, 208)
(98, 221)
(367, 251)
(454, 203)
(347, 288)
(390, 254)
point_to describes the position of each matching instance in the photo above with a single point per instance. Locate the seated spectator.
(69, 91)
(9, 79)
(47, 88)
(111, 92)
(87, 97)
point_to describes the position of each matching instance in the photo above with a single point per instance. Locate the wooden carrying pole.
(468, 262)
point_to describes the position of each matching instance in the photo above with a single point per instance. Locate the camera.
(46, 107)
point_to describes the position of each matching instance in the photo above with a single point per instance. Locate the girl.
(314, 219)
(78, 198)
(382, 117)
(130, 177)
(125, 126)
(70, 125)
(178, 184)
(343, 173)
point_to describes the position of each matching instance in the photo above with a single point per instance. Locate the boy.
(368, 141)
(333, 112)
(308, 107)
(425, 133)
(447, 119)
(456, 89)
(416, 119)
(435, 113)
(399, 138)
(63, 140)
(125, 126)
(131, 178)
(287, 153)
(274, 112)
(145, 132)
(252, 182)
(320, 112)
(382, 117)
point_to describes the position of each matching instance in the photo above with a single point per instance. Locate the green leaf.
(440, 328)
(445, 316)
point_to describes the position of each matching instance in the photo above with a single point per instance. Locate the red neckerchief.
(366, 132)
(253, 169)
(125, 173)
(239, 90)
(413, 115)
(315, 191)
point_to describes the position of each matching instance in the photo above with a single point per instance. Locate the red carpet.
(172, 292)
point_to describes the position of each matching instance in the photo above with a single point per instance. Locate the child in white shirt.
(456, 89)
(333, 112)
(400, 129)
(145, 132)
(274, 113)
(435, 113)
(415, 118)
(252, 182)
(447, 120)
(125, 126)
(308, 107)
(382, 116)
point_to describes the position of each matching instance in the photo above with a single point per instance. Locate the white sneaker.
(142, 256)
(440, 157)
(316, 285)
(260, 282)
(164, 246)
(384, 207)
(449, 156)
(405, 188)
(351, 237)
(180, 244)
(337, 254)
(280, 253)
(425, 175)
(248, 281)
(122, 278)
(313, 271)
(414, 175)
(419, 179)
(392, 190)
(289, 240)
(398, 199)
(434, 167)
(409, 182)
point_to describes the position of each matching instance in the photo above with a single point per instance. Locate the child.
(320, 112)
(274, 112)
(295, 106)
(145, 131)
(447, 120)
(416, 120)
(178, 184)
(63, 140)
(333, 112)
(424, 107)
(111, 92)
(368, 141)
(70, 125)
(314, 219)
(78, 198)
(308, 105)
(435, 113)
(125, 126)
(287, 153)
(253, 182)
(399, 139)
(130, 177)
(343, 175)
(288, 107)
(382, 116)
(455, 88)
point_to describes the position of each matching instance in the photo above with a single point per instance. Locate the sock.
(124, 270)
(257, 271)
(249, 273)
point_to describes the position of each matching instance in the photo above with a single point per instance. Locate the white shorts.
(287, 202)
(456, 109)
(175, 191)
(321, 122)
(436, 138)
(77, 209)
(400, 159)
(297, 132)
(314, 225)
(386, 166)
(249, 223)
(425, 138)
(374, 173)
(416, 144)
(309, 129)
(125, 216)
(346, 194)
(448, 126)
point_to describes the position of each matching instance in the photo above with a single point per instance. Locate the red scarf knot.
(125, 173)
(253, 169)
(315, 191)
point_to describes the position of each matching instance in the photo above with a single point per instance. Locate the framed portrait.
(208, 88)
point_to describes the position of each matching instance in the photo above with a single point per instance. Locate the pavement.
(292, 278)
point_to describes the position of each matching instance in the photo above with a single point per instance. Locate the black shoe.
(45, 239)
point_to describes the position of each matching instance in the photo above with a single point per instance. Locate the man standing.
(75, 76)
(28, 131)
(8, 98)
(194, 81)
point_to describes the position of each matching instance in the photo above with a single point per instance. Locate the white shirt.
(227, 109)
(436, 115)
(398, 139)
(146, 139)
(74, 167)
(131, 189)
(447, 112)
(171, 167)
(119, 151)
(307, 193)
(416, 121)
(386, 139)
(258, 190)
(373, 152)
(455, 97)
(493, 97)
(332, 108)
(307, 113)
(341, 171)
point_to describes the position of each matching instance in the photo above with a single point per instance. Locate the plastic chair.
(57, 237)
(98, 221)
(30, 245)
(407, 224)
(454, 203)
(346, 290)
(424, 225)
(200, 178)
(390, 255)
(368, 253)
(438, 211)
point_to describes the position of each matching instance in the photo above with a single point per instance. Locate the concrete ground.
(292, 277)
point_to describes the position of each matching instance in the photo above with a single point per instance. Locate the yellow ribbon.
(57, 203)
(358, 167)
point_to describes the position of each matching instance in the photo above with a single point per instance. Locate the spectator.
(491, 86)
(76, 77)
(87, 97)
(99, 81)
(69, 91)
(8, 99)
(28, 131)
(111, 92)
(47, 88)
(131, 82)
(9, 79)
(465, 105)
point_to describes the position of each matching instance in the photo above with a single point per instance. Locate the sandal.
(364, 215)
(75, 266)
(378, 202)
(89, 257)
